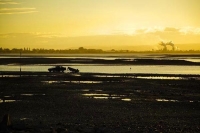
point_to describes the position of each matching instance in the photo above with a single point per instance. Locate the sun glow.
(122, 24)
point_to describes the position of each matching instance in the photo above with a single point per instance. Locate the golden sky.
(107, 24)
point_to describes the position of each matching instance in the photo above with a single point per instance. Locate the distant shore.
(150, 54)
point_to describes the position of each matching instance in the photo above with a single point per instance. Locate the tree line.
(84, 50)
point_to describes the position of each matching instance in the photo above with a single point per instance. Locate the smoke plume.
(167, 43)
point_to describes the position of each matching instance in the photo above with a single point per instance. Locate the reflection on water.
(193, 60)
(10, 76)
(172, 100)
(85, 90)
(126, 57)
(100, 97)
(7, 101)
(108, 76)
(12, 100)
(7, 96)
(73, 82)
(161, 77)
(98, 90)
(159, 69)
(106, 96)
(22, 119)
(94, 94)
(126, 99)
(27, 94)
(166, 100)
(128, 80)
(33, 94)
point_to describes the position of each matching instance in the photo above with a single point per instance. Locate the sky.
(105, 24)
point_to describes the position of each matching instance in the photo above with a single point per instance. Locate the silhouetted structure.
(73, 70)
(57, 69)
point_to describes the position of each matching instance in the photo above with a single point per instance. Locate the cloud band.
(17, 10)
(8, 2)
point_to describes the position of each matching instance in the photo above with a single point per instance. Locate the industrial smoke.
(167, 43)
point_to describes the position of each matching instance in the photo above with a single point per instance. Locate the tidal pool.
(7, 101)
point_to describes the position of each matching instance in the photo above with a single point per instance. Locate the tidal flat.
(93, 103)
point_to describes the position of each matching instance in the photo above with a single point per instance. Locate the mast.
(20, 64)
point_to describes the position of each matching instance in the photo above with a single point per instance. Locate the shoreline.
(31, 73)
(101, 54)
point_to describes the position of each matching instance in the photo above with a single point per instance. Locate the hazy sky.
(120, 24)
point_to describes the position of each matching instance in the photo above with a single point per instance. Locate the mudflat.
(86, 102)
(25, 61)
(125, 59)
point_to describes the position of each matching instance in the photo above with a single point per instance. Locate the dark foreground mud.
(92, 103)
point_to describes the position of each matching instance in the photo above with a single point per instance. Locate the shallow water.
(166, 100)
(7, 101)
(159, 69)
(30, 94)
(127, 98)
(101, 68)
(105, 96)
(194, 58)
(74, 82)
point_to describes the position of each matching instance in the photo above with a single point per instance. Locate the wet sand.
(101, 103)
